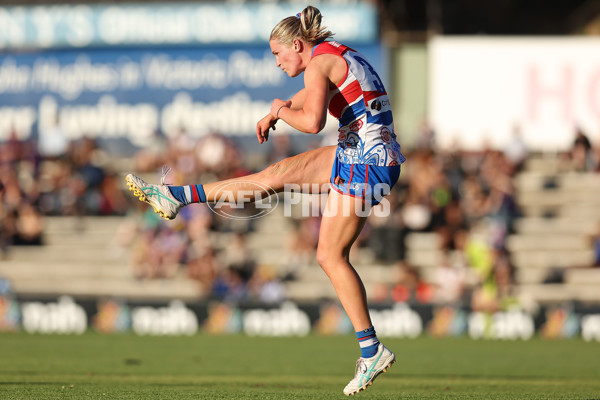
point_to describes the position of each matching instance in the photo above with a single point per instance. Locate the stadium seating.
(81, 258)
(561, 211)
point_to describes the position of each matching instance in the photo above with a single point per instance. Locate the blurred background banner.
(540, 88)
(68, 316)
(83, 25)
(132, 93)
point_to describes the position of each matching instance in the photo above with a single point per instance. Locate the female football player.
(360, 170)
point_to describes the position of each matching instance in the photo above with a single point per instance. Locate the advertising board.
(485, 90)
(132, 93)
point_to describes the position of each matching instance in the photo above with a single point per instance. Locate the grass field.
(94, 366)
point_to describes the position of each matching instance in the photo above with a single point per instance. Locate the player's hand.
(277, 105)
(263, 126)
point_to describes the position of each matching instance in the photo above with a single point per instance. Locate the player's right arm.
(268, 122)
(263, 126)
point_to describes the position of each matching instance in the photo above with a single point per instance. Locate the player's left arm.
(297, 101)
(312, 115)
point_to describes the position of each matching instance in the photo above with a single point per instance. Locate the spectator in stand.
(238, 257)
(6, 226)
(426, 136)
(504, 278)
(516, 151)
(53, 142)
(301, 246)
(450, 279)
(111, 200)
(202, 265)
(29, 226)
(582, 156)
(494, 271)
(410, 287)
(147, 158)
(20, 221)
(265, 286)
(282, 148)
(596, 247)
(229, 286)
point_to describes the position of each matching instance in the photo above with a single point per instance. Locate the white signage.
(590, 327)
(399, 321)
(64, 317)
(176, 319)
(288, 320)
(484, 89)
(507, 325)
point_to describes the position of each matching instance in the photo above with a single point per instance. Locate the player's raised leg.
(312, 167)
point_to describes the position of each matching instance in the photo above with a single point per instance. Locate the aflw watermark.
(251, 200)
(306, 196)
(230, 198)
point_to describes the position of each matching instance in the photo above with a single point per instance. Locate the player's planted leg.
(367, 369)
(340, 227)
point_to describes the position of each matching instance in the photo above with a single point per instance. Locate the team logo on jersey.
(386, 135)
(355, 126)
(353, 140)
(378, 105)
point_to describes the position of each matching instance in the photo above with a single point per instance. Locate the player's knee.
(321, 256)
(328, 257)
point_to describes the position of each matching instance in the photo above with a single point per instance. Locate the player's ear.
(297, 45)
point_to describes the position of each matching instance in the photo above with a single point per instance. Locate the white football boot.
(367, 370)
(158, 196)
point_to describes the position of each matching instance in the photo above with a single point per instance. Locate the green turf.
(95, 366)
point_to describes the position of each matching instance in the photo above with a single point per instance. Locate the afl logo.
(376, 105)
(230, 197)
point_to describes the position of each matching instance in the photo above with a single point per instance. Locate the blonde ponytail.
(305, 25)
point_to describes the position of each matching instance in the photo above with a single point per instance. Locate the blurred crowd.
(64, 177)
(466, 200)
(200, 244)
